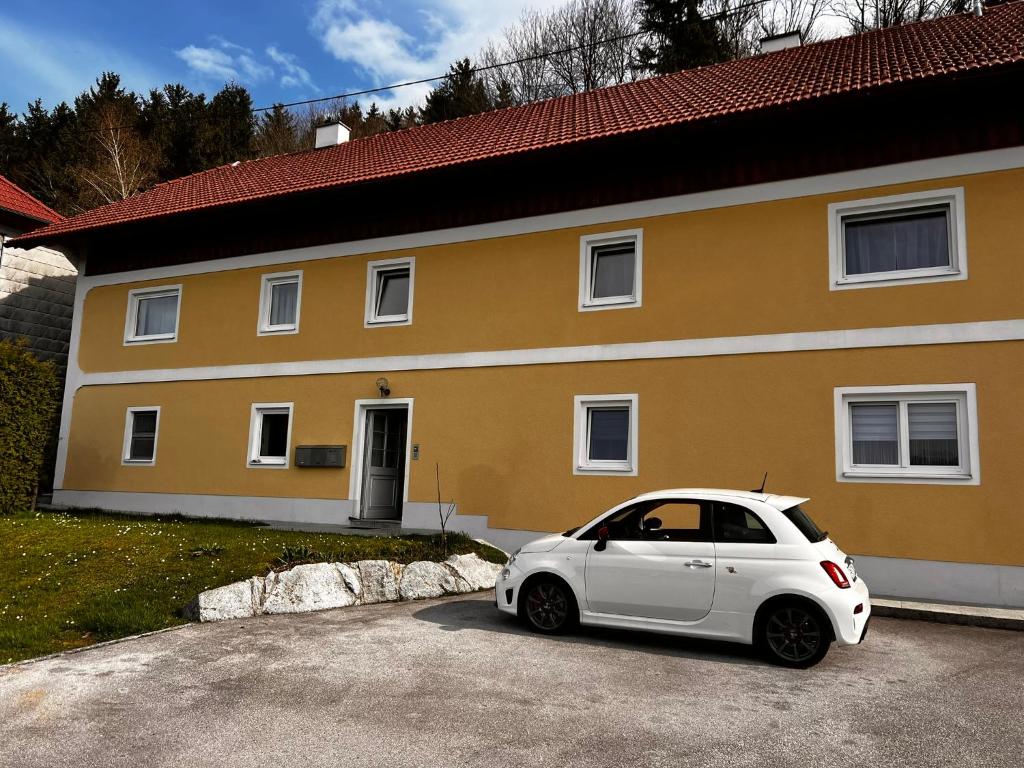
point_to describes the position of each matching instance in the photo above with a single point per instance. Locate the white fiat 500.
(741, 566)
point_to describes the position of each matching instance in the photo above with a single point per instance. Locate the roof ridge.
(880, 58)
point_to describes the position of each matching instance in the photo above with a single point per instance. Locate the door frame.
(355, 486)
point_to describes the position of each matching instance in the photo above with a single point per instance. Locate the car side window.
(680, 521)
(738, 525)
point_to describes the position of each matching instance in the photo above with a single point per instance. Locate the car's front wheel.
(794, 635)
(548, 606)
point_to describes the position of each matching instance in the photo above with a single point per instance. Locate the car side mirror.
(652, 523)
(603, 534)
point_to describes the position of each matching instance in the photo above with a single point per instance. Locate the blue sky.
(281, 51)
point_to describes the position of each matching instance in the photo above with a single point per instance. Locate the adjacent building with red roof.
(37, 285)
(807, 262)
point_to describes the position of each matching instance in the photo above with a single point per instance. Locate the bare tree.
(862, 15)
(781, 16)
(586, 44)
(117, 161)
(444, 515)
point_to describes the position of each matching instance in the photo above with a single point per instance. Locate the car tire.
(548, 606)
(793, 634)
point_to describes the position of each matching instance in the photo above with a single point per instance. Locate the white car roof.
(772, 499)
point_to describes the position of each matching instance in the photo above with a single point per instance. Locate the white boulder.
(476, 572)
(234, 601)
(379, 580)
(424, 579)
(312, 587)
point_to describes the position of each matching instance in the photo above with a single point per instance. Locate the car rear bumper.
(850, 628)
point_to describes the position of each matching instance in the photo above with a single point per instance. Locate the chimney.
(792, 39)
(331, 134)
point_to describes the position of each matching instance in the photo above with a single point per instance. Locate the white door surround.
(355, 489)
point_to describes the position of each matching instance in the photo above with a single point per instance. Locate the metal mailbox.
(320, 455)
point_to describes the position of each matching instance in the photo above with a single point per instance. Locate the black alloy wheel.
(548, 606)
(794, 636)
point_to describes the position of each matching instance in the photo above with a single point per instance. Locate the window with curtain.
(895, 241)
(611, 269)
(914, 432)
(280, 296)
(142, 426)
(154, 315)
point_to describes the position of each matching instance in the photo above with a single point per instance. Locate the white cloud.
(225, 60)
(433, 34)
(294, 75)
(211, 62)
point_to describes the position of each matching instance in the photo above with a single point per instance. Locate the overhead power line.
(473, 70)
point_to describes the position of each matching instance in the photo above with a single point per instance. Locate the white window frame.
(129, 422)
(957, 268)
(253, 459)
(373, 272)
(135, 295)
(587, 243)
(263, 327)
(582, 463)
(965, 397)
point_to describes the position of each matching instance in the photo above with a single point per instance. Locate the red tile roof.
(950, 45)
(13, 198)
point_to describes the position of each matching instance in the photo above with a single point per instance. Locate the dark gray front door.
(384, 464)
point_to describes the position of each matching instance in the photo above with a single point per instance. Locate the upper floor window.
(280, 296)
(605, 440)
(611, 270)
(897, 240)
(917, 433)
(153, 314)
(389, 289)
(140, 431)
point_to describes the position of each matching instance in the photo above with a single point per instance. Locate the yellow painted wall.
(503, 438)
(750, 269)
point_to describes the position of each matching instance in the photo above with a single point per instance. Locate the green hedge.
(29, 390)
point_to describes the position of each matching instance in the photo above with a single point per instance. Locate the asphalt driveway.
(453, 683)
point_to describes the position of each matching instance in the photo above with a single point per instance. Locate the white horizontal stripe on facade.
(857, 338)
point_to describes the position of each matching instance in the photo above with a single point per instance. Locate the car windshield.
(803, 521)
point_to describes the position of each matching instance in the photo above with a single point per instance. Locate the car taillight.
(836, 574)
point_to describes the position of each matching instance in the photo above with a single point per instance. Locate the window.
(896, 240)
(280, 295)
(270, 434)
(738, 525)
(920, 434)
(140, 430)
(605, 434)
(389, 290)
(657, 520)
(611, 270)
(152, 315)
(805, 524)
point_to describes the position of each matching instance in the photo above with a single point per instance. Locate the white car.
(742, 566)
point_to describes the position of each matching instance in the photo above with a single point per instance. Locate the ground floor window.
(270, 434)
(605, 434)
(920, 433)
(140, 435)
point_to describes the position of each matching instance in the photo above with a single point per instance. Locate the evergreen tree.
(278, 132)
(462, 93)
(10, 142)
(682, 37)
(230, 127)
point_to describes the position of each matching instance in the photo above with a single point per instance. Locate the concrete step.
(943, 613)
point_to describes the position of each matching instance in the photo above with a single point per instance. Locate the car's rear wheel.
(548, 606)
(794, 635)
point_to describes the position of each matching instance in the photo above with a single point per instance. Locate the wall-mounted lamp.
(382, 386)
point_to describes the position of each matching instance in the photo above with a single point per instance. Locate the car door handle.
(697, 564)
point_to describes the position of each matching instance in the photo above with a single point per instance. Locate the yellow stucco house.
(808, 263)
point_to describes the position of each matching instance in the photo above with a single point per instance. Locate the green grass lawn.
(71, 579)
